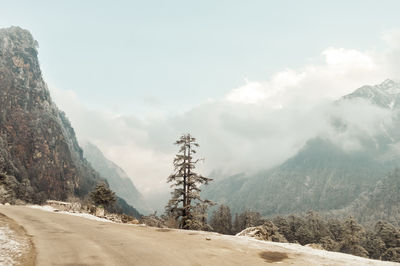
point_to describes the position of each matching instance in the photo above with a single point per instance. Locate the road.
(62, 239)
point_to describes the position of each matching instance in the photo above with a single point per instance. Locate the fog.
(255, 126)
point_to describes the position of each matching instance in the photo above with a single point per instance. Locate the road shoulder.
(16, 246)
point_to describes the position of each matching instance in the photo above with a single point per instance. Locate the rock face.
(39, 155)
(116, 177)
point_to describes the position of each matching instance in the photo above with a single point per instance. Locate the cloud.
(255, 126)
(124, 140)
(342, 71)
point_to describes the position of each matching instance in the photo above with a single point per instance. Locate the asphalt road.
(62, 239)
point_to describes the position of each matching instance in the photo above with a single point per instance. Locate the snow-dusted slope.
(386, 94)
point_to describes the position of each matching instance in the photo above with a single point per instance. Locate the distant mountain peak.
(389, 86)
(385, 94)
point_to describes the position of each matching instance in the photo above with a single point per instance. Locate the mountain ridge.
(385, 94)
(321, 176)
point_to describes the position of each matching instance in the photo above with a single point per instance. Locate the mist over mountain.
(116, 177)
(331, 171)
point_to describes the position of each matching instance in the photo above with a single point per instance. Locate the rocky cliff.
(39, 155)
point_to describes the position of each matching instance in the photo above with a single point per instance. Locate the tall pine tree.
(185, 201)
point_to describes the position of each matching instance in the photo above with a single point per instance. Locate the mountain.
(40, 157)
(116, 177)
(386, 94)
(380, 202)
(38, 148)
(322, 176)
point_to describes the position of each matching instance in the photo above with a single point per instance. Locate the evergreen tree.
(374, 245)
(103, 195)
(303, 235)
(284, 228)
(199, 216)
(221, 220)
(186, 195)
(389, 234)
(392, 254)
(336, 229)
(329, 244)
(317, 226)
(235, 226)
(352, 238)
(295, 223)
(248, 219)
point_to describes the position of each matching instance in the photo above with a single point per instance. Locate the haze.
(252, 82)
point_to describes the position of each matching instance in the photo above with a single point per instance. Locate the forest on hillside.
(381, 241)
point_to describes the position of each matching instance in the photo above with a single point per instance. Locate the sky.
(145, 57)
(250, 79)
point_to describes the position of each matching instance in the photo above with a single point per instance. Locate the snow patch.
(10, 247)
(43, 208)
(347, 259)
(87, 216)
(79, 214)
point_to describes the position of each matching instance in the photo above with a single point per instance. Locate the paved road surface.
(62, 239)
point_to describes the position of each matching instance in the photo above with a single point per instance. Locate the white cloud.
(257, 125)
(124, 140)
(342, 71)
(250, 93)
(345, 58)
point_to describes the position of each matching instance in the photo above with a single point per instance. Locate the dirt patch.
(27, 256)
(163, 230)
(273, 256)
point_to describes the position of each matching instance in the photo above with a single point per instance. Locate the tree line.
(381, 241)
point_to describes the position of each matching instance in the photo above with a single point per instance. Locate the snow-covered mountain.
(386, 94)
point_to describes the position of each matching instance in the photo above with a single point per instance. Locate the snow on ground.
(246, 241)
(346, 258)
(79, 214)
(10, 246)
(43, 208)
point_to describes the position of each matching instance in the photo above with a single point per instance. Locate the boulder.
(134, 221)
(268, 232)
(100, 212)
